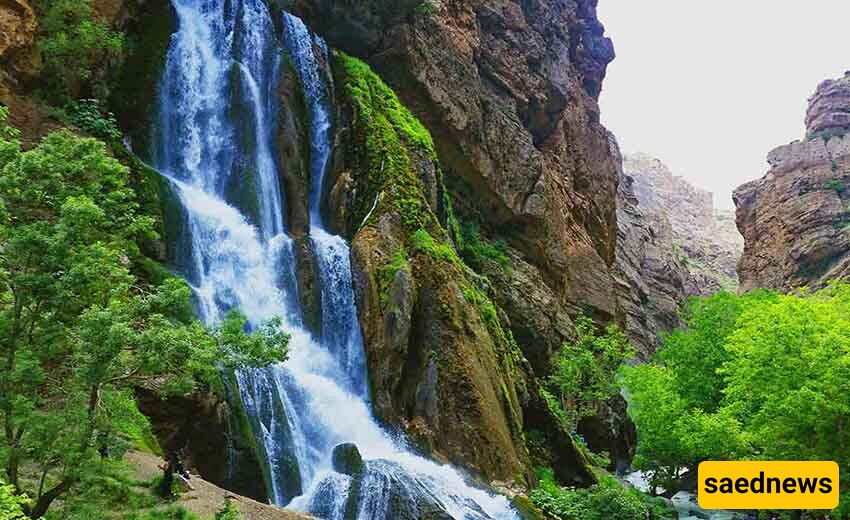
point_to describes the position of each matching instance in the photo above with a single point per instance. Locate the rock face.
(17, 33)
(210, 437)
(508, 90)
(796, 219)
(651, 277)
(829, 108)
(703, 238)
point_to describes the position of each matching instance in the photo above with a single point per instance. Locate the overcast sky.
(710, 87)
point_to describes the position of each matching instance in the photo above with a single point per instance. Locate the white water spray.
(225, 55)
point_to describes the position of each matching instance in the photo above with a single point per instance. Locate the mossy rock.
(526, 508)
(347, 460)
(134, 94)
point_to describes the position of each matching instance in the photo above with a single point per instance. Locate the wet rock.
(385, 490)
(508, 91)
(347, 460)
(309, 288)
(293, 149)
(211, 437)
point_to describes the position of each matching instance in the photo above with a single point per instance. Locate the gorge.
(382, 260)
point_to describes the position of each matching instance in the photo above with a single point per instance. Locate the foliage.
(7, 131)
(11, 503)
(584, 373)
(835, 185)
(169, 513)
(74, 45)
(78, 330)
(829, 133)
(87, 115)
(696, 352)
(607, 500)
(423, 242)
(229, 511)
(110, 488)
(475, 250)
(758, 376)
(426, 8)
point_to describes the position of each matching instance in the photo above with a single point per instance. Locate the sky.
(710, 87)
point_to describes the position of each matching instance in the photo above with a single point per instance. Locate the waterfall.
(215, 144)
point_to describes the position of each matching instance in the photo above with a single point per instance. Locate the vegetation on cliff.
(760, 376)
(79, 329)
(76, 47)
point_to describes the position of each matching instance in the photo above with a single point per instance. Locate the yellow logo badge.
(768, 485)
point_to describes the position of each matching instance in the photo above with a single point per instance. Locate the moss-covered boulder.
(346, 459)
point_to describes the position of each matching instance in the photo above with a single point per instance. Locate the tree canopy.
(758, 376)
(78, 328)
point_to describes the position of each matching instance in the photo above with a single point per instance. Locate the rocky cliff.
(508, 91)
(703, 238)
(796, 219)
(477, 236)
(651, 277)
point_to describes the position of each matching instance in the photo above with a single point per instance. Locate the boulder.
(347, 460)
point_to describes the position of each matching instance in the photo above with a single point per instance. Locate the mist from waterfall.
(215, 142)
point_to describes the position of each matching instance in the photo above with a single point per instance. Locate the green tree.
(11, 503)
(789, 374)
(696, 352)
(584, 372)
(758, 376)
(76, 48)
(77, 329)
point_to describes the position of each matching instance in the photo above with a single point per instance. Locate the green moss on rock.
(388, 138)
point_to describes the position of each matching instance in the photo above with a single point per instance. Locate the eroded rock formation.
(508, 91)
(796, 219)
(701, 236)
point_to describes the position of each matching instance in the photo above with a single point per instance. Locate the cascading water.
(215, 144)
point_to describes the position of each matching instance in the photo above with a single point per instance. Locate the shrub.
(87, 115)
(10, 503)
(74, 45)
(607, 500)
(229, 511)
(584, 373)
(475, 250)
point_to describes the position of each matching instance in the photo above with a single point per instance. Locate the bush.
(607, 500)
(229, 511)
(475, 250)
(11, 503)
(74, 46)
(87, 115)
(584, 373)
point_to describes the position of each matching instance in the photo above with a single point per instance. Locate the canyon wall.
(796, 219)
(704, 239)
